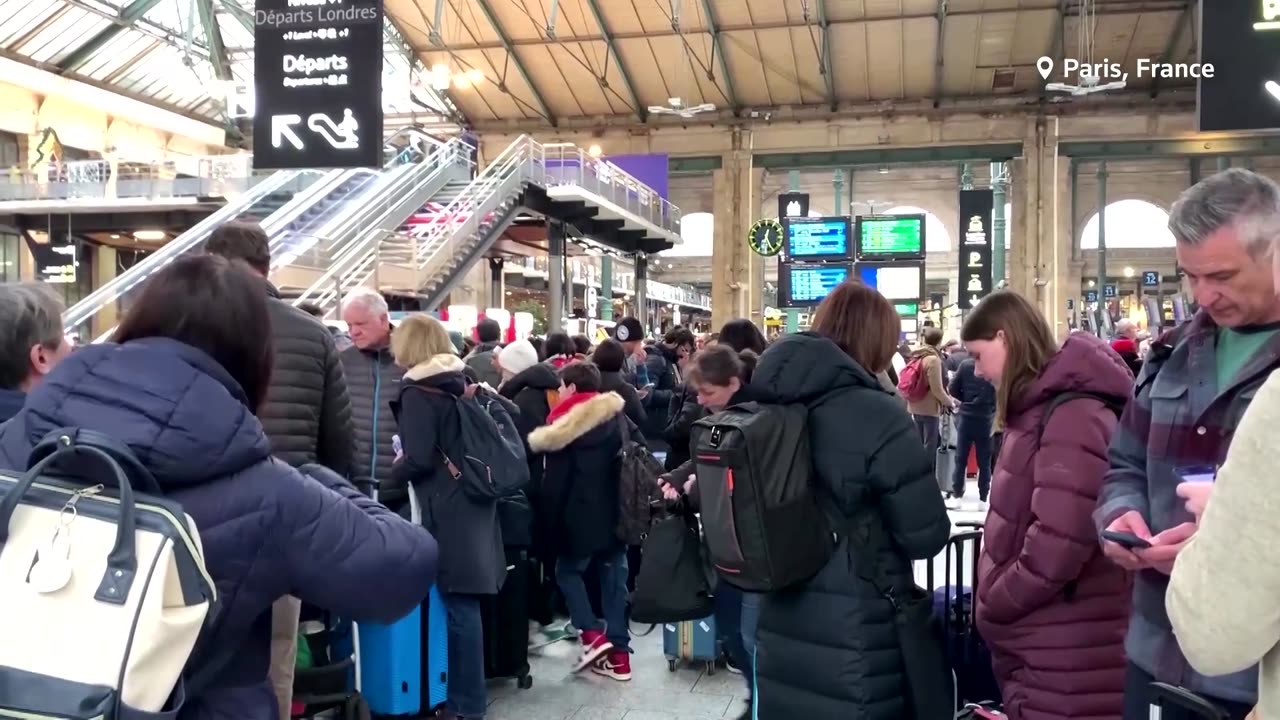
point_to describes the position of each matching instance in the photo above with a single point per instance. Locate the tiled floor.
(654, 693)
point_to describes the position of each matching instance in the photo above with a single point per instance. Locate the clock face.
(765, 237)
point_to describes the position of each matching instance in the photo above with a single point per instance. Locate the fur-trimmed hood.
(436, 365)
(578, 421)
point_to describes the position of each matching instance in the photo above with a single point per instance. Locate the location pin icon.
(1045, 66)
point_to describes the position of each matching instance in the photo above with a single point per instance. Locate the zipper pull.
(84, 492)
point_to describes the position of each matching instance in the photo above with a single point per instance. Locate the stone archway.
(937, 236)
(1131, 224)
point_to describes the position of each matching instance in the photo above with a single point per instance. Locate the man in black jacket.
(307, 415)
(977, 399)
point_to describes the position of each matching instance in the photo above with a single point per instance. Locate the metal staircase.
(307, 214)
(432, 261)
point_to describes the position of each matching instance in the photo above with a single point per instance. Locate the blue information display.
(818, 238)
(805, 285)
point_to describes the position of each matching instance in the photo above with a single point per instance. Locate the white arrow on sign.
(282, 128)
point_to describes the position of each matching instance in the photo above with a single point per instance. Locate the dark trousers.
(930, 431)
(972, 431)
(1137, 700)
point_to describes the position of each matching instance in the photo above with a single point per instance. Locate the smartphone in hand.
(1127, 540)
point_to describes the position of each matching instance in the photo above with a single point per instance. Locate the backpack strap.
(454, 471)
(1107, 400)
(1157, 355)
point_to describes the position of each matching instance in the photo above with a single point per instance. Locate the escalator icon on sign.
(342, 135)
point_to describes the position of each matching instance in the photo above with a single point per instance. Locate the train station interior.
(562, 164)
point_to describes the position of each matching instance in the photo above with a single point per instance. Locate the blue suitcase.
(435, 665)
(693, 640)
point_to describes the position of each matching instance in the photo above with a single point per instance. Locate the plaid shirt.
(1178, 419)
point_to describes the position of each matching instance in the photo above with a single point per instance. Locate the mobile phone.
(1124, 539)
(1198, 474)
(396, 447)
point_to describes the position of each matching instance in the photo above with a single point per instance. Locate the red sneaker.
(616, 665)
(594, 645)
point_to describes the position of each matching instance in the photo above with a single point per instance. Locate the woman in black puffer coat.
(827, 649)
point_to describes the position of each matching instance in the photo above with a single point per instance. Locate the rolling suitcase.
(403, 666)
(1167, 697)
(944, 461)
(506, 623)
(693, 640)
(954, 607)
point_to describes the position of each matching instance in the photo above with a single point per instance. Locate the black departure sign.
(793, 204)
(975, 246)
(317, 70)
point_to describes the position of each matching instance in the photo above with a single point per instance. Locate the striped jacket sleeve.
(1125, 486)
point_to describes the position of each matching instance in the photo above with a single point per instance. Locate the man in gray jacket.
(480, 361)
(307, 415)
(374, 380)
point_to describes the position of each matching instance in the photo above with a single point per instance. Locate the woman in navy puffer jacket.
(180, 389)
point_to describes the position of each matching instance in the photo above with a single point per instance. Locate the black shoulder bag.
(930, 690)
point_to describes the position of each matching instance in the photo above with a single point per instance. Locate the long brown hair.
(1028, 341)
(861, 322)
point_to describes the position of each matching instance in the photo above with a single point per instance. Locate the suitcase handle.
(1162, 693)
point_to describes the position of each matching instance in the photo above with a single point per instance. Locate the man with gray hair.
(31, 341)
(373, 381)
(1194, 387)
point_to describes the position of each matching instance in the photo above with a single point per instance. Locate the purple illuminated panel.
(648, 169)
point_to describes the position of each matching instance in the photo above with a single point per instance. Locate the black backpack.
(489, 462)
(638, 492)
(760, 517)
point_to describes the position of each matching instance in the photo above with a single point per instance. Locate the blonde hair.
(419, 338)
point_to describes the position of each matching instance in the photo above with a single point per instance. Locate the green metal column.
(1102, 237)
(792, 316)
(793, 181)
(606, 288)
(1224, 163)
(998, 188)
(849, 187)
(966, 177)
(838, 205)
(1194, 171)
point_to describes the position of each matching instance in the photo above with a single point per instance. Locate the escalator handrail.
(445, 158)
(94, 302)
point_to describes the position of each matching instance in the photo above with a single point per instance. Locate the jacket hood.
(1084, 363)
(538, 377)
(436, 365)
(577, 422)
(926, 351)
(804, 367)
(179, 411)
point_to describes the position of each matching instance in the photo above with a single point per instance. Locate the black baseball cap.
(628, 329)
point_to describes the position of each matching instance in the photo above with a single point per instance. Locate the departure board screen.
(806, 285)
(896, 281)
(890, 237)
(824, 238)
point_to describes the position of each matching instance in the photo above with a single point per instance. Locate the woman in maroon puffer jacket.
(1051, 608)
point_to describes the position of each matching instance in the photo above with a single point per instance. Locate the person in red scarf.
(581, 442)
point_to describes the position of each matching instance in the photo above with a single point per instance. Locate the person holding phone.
(1049, 605)
(1197, 383)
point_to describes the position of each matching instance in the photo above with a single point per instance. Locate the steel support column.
(641, 264)
(1224, 163)
(497, 282)
(129, 14)
(1102, 240)
(838, 204)
(998, 189)
(938, 53)
(555, 276)
(538, 98)
(606, 288)
(1193, 170)
(828, 71)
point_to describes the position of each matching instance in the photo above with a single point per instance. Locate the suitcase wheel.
(524, 682)
(671, 664)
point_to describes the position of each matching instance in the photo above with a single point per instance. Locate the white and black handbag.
(103, 586)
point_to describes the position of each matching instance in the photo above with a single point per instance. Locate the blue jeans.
(750, 619)
(611, 565)
(466, 657)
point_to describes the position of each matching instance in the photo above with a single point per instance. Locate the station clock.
(766, 237)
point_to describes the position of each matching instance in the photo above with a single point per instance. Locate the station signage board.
(1110, 291)
(889, 237)
(975, 246)
(1150, 278)
(793, 204)
(317, 69)
(1091, 296)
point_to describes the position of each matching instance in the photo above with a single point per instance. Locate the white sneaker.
(952, 503)
(983, 505)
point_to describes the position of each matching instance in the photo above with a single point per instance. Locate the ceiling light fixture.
(150, 235)
(595, 151)
(1274, 88)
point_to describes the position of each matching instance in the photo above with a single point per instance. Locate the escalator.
(305, 213)
(444, 240)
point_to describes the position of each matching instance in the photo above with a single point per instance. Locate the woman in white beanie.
(534, 387)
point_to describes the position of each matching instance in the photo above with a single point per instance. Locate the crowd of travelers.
(1129, 536)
